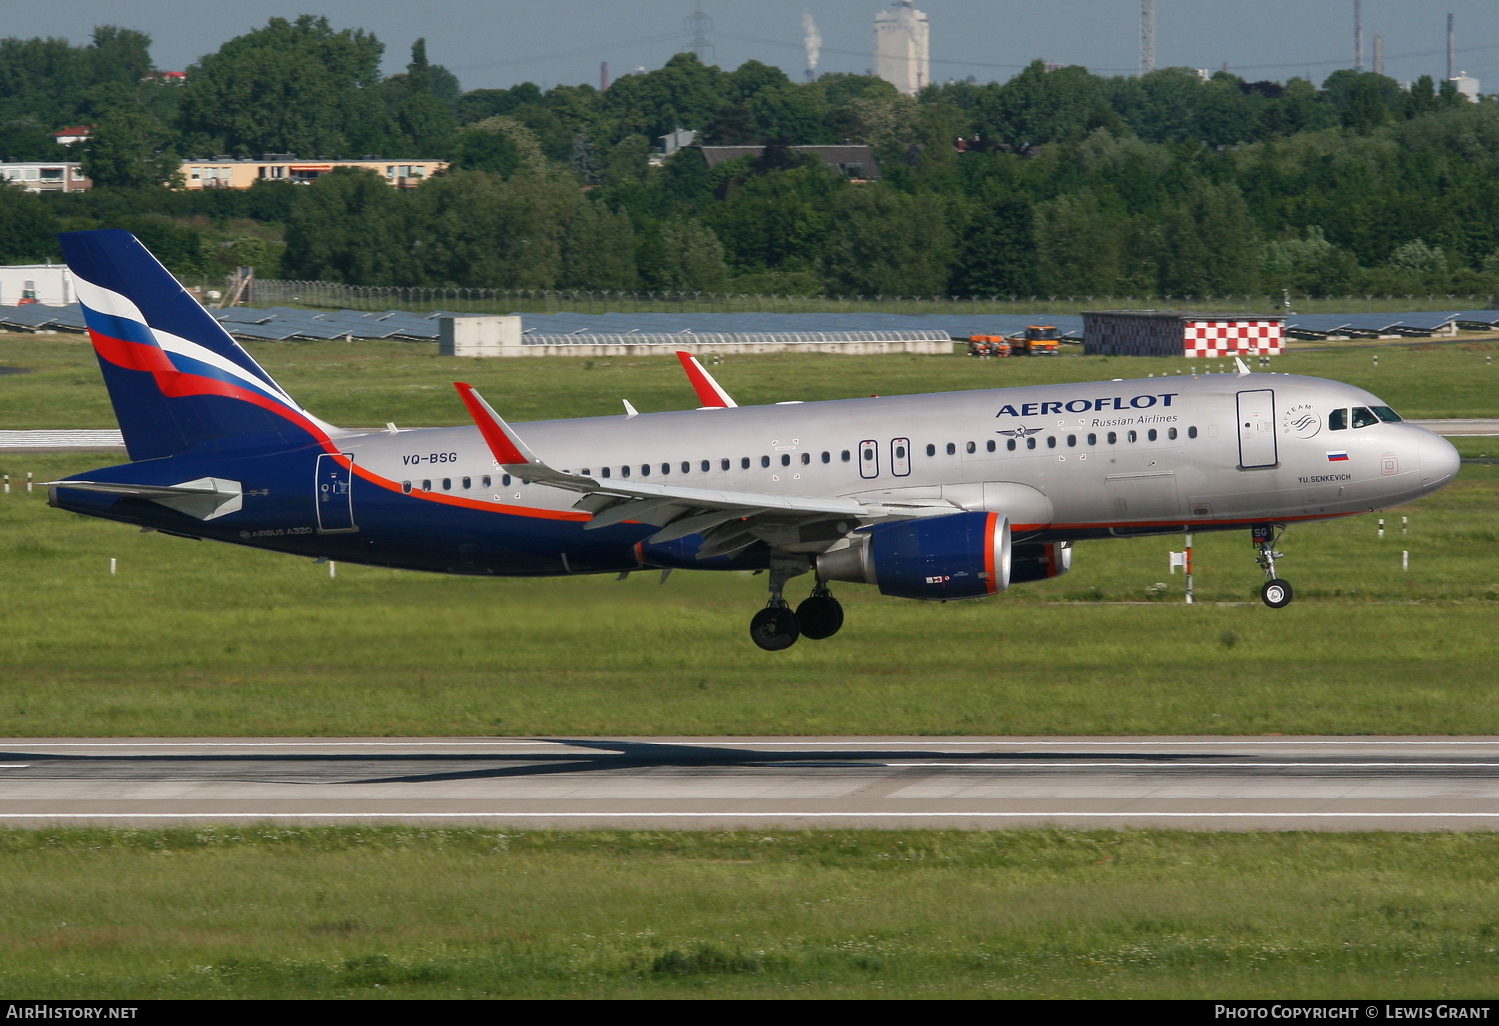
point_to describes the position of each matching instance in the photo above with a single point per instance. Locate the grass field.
(369, 383)
(203, 638)
(361, 912)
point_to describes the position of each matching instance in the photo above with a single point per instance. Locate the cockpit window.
(1337, 420)
(1386, 414)
(1364, 417)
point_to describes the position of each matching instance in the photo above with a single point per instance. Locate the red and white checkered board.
(1232, 338)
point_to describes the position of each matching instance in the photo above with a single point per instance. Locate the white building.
(1467, 86)
(47, 284)
(901, 55)
(46, 175)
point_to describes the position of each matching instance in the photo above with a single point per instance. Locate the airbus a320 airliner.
(944, 496)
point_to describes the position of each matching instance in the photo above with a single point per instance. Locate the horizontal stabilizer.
(206, 498)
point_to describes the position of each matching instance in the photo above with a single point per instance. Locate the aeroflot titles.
(1139, 402)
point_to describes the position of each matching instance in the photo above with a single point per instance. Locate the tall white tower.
(901, 55)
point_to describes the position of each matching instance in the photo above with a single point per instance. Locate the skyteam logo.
(1044, 409)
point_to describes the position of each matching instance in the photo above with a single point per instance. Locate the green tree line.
(1052, 183)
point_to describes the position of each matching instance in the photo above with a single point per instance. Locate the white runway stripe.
(61, 439)
(790, 813)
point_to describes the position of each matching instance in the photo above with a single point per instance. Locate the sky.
(499, 43)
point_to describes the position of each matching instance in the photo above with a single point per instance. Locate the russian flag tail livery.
(178, 382)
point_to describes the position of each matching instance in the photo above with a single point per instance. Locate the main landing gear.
(776, 627)
(1275, 593)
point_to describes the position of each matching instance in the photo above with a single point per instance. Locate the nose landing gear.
(776, 627)
(1275, 593)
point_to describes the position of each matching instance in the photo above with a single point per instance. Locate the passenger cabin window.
(1337, 420)
(785, 459)
(1191, 432)
(1364, 417)
(1151, 434)
(507, 477)
(744, 463)
(970, 447)
(707, 466)
(1092, 439)
(1072, 441)
(624, 471)
(1030, 443)
(845, 456)
(827, 457)
(487, 481)
(1113, 438)
(806, 458)
(645, 470)
(931, 450)
(687, 467)
(1051, 441)
(406, 487)
(426, 486)
(989, 445)
(764, 461)
(951, 448)
(467, 483)
(1133, 437)
(1171, 433)
(723, 464)
(1010, 445)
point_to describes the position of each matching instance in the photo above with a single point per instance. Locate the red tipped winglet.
(709, 392)
(504, 443)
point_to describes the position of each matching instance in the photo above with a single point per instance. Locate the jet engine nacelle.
(1037, 562)
(965, 555)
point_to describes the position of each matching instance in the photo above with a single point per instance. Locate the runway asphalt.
(1197, 783)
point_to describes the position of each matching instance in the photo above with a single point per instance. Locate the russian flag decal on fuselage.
(1337, 457)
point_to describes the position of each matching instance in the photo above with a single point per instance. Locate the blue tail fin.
(178, 382)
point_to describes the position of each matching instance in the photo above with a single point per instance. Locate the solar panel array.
(279, 323)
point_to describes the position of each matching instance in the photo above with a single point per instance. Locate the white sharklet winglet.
(1243, 367)
(630, 411)
(709, 392)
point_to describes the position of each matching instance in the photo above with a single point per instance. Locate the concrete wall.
(701, 349)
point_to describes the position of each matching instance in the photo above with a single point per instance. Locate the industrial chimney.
(1147, 36)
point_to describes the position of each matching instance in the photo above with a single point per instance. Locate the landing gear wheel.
(1276, 593)
(819, 616)
(774, 628)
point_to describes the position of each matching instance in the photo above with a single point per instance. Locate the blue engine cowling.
(965, 555)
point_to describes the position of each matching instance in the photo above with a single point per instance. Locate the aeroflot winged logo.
(1042, 409)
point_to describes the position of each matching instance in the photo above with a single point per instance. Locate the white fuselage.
(1068, 460)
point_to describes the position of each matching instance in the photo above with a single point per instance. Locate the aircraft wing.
(728, 520)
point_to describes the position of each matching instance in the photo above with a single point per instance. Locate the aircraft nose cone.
(1439, 460)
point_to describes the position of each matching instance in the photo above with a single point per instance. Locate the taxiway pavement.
(1214, 783)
